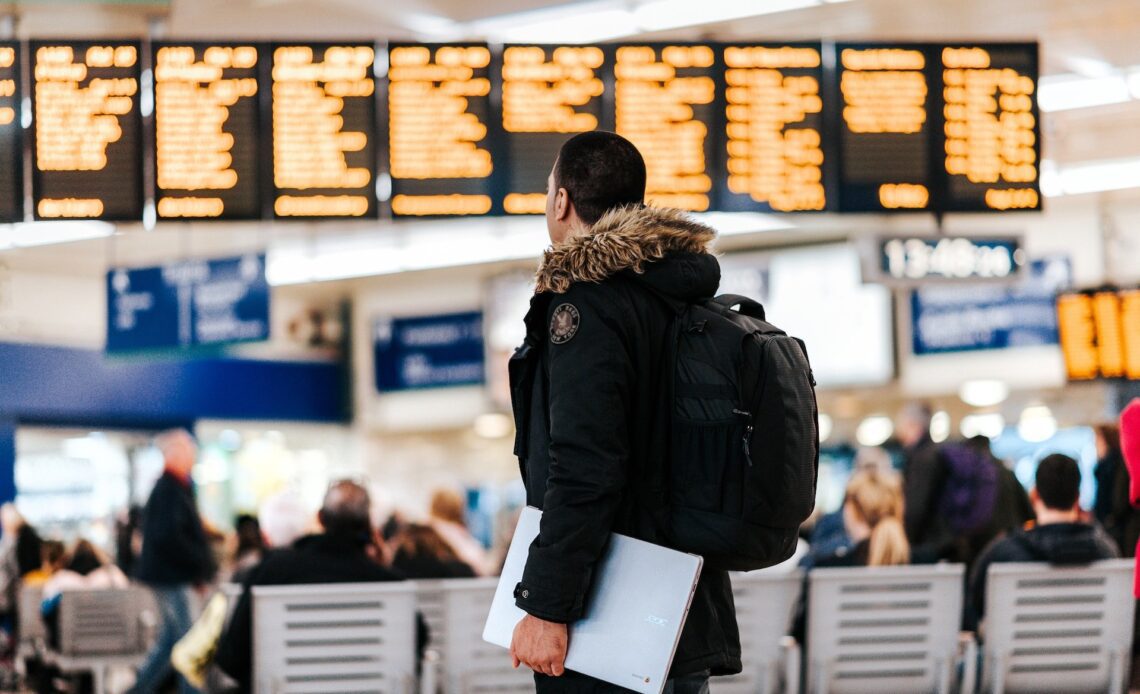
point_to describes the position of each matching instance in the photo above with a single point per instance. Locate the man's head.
(1057, 493)
(179, 451)
(347, 511)
(913, 424)
(594, 173)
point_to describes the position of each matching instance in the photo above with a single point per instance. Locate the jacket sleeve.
(591, 376)
(1130, 447)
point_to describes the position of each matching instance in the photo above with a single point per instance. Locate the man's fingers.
(515, 660)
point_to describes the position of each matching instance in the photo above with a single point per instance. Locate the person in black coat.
(175, 555)
(590, 403)
(346, 552)
(924, 478)
(1058, 536)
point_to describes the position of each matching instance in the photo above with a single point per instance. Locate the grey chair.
(1058, 629)
(765, 605)
(100, 630)
(873, 630)
(334, 638)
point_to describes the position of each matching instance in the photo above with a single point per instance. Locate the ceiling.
(1085, 37)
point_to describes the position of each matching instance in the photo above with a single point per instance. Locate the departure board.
(1100, 334)
(665, 103)
(323, 125)
(87, 144)
(885, 136)
(774, 131)
(991, 127)
(206, 131)
(549, 93)
(11, 140)
(439, 111)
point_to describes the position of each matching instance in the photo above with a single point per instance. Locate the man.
(340, 554)
(591, 406)
(1058, 537)
(923, 478)
(175, 556)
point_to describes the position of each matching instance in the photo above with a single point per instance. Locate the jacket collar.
(625, 238)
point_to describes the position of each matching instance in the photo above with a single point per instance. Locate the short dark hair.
(346, 511)
(1058, 482)
(600, 170)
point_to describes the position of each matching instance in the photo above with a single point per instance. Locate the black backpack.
(744, 448)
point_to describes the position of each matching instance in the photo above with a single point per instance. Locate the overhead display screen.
(885, 131)
(549, 94)
(439, 111)
(206, 131)
(11, 142)
(1100, 334)
(774, 129)
(665, 103)
(323, 123)
(87, 146)
(992, 127)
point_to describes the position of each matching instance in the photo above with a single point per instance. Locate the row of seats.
(869, 630)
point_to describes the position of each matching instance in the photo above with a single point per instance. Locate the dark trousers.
(576, 683)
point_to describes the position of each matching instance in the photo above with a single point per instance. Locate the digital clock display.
(949, 258)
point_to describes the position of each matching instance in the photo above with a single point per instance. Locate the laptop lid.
(635, 611)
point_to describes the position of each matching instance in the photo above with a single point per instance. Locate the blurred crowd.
(926, 503)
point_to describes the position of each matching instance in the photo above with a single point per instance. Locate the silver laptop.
(634, 614)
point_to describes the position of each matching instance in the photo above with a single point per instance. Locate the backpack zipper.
(747, 417)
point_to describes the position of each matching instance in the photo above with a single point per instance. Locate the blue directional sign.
(429, 352)
(982, 316)
(188, 303)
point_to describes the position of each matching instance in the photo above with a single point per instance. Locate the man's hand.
(540, 645)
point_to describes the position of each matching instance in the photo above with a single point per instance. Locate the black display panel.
(883, 98)
(206, 122)
(87, 142)
(323, 130)
(774, 144)
(666, 103)
(991, 127)
(439, 118)
(549, 94)
(11, 135)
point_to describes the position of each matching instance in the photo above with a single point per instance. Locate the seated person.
(86, 568)
(1058, 536)
(343, 553)
(422, 554)
(873, 520)
(829, 536)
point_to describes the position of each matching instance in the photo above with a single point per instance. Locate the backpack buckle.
(698, 327)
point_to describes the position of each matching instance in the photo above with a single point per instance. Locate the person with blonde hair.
(447, 519)
(873, 518)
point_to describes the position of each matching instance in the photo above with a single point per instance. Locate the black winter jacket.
(1056, 543)
(592, 413)
(174, 549)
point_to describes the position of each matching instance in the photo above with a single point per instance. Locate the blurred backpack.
(970, 493)
(744, 446)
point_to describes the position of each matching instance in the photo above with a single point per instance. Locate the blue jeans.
(174, 613)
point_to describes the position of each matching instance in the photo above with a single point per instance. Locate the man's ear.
(562, 205)
(1034, 497)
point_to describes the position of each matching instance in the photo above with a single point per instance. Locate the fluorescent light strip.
(411, 246)
(1089, 177)
(1068, 92)
(26, 235)
(659, 15)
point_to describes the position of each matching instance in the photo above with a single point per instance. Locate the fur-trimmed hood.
(627, 238)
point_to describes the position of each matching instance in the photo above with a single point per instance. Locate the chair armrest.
(968, 658)
(790, 650)
(430, 672)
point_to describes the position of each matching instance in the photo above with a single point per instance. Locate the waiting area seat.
(883, 629)
(1058, 629)
(100, 630)
(765, 606)
(334, 638)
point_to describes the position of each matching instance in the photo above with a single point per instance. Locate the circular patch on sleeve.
(564, 324)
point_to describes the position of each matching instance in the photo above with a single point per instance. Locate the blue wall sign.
(187, 304)
(429, 352)
(975, 317)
